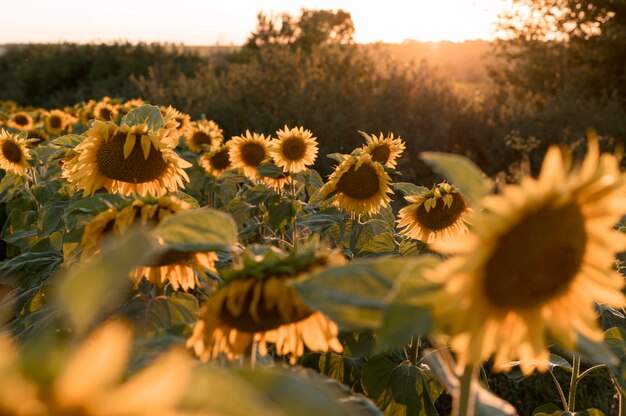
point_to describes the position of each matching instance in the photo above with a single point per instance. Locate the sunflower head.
(20, 120)
(216, 161)
(384, 150)
(57, 122)
(14, 155)
(203, 134)
(358, 185)
(257, 306)
(127, 159)
(130, 105)
(105, 111)
(535, 262)
(294, 149)
(248, 152)
(435, 214)
(177, 267)
(36, 136)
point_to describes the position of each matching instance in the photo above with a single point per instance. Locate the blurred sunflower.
(436, 214)
(14, 155)
(257, 306)
(36, 136)
(203, 133)
(57, 122)
(249, 152)
(20, 121)
(217, 161)
(294, 149)
(535, 263)
(105, 111)
(176, 120)
(85, 113)
(279, 183)
(177, 267)
(126, 160)
(384, 150)
(358, 185)
(130, 105)
(92, 381)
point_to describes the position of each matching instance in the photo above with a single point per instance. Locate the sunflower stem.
(574, 383)
(466, 398)
(414, 349)
(561, 394)
(294, 232)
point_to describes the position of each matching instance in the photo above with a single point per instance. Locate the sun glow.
(206, 23)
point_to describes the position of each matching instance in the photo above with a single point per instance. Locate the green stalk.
(466, 403)
(574, 383)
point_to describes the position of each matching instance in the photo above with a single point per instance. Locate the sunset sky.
(206, 22)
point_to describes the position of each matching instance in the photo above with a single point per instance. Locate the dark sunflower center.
(362, 183)
(21, 119)
(381, 154)
(220, 160)
(105, 114)
(252, 154)
(11, 151)
(294, 148)
(134, 169)
(441, 216)
(269, 317)
(55, 122)
(200, 137)
(169, 257)
(537, 259)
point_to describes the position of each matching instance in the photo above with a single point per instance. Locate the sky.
(225, 22)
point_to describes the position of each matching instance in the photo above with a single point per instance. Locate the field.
(154, 265)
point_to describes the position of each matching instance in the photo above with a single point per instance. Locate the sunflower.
(437, 214)
(85, 113)
(203, 133)
(249, 152)
(359, 185)
(105, 111)
(176, 267)
(279, 183)
(176, 120)
(92, 381)
(14, 155)
(217, 161)
(130, 105)
(535, 262)
(294, 149)
(36, 136)
(57, 122)
(384, 150)
(126, 160)
(20, 121)
(257, 306)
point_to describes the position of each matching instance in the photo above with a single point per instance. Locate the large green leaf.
(68, 141)
(354, 295)
(408, 188)
(146, 114)
(400, 390)
(202, 229)
(162, 313)
(462, 172)
(90, 289)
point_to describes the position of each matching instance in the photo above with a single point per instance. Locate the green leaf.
(403, 390)
(548, 409)
(338, 157)
(560, 362)
(589, 412)
(595, 352)
(408, 188)
(304, 392)
(88, 290)
(161, 313)
(202, 229)
(321, 221)
(146, 114)
(462, 172)
(375, 376)
(51, 218)
(382, 243)
(270, 170)
(353, 294)
(405, 314)
(68, 141)
(279, 212)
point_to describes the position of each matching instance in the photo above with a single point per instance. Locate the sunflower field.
(152, 266)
